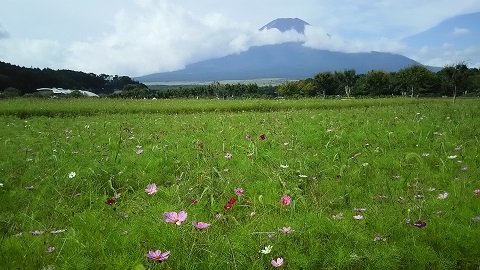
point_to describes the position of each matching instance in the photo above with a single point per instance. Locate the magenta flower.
(110, 201)
(239, 191)
(285, 200)
(175, 217)
(158, 255)
(420, 224)
(458, 148)
(262, 137)
(477, 192)
(286, 230)
(36, 232)
(278, 262)
(151, 189)
(200, 225)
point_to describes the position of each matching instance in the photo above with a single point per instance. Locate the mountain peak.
(286, 24)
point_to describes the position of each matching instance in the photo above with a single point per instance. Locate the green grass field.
(374, 184)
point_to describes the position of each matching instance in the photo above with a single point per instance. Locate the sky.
(139, 37)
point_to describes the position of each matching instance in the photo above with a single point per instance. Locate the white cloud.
(457, 31)
(163, 37)
(39, 53)
(445, 55)
(319, 38)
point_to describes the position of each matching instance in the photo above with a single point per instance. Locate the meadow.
(240, 184)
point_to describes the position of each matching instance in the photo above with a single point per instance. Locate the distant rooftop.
(67, 91)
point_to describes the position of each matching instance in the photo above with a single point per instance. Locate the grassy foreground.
(379, 184)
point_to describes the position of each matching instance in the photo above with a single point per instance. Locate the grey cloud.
(3, 32)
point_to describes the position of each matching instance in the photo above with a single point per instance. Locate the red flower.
(230, 203)
(262, 137)
(110, 201)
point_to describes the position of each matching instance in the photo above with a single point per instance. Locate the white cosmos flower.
(72, 174)
(452, 157)
(283, 166)
(266, 250)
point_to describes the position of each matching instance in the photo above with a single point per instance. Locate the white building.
(56, 91)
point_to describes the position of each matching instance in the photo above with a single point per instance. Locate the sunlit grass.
(392, 157)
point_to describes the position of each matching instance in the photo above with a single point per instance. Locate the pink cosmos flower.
(50, 249)
(239, 191)
(278, 262)
(151, 189)
(139, 151)
(36, 232)
(477, 191)
(285, 200)
(200, 225)
(286, 230)
(158, 255)
(228, 155)
(248, 137)
(358, 217)
(175, 217)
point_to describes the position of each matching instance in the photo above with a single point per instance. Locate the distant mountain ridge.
(290, 60)
(459, 35)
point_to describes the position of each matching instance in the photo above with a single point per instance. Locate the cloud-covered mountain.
(286, 24)
(457, 38)
(289, 60)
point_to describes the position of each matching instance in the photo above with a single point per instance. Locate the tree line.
(22, 80)
(411, 81)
